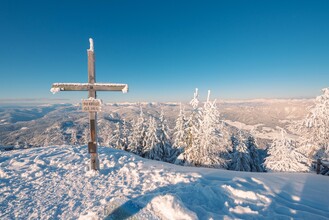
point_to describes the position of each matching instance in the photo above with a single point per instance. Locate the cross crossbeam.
(91, 87)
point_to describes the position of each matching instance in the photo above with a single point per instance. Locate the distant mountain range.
(43, 125)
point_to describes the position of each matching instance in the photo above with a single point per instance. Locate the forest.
(201, 139)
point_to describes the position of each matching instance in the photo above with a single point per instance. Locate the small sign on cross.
(91, 105)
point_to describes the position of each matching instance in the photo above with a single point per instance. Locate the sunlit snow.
(54, 183)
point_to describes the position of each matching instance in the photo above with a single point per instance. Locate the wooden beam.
(94, 163)
(91, 70)
(90, 86)
(91, 66)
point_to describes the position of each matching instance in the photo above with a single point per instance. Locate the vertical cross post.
(92, 145)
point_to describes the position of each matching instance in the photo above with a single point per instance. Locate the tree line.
(200, 138)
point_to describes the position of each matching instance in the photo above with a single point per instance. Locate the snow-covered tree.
(157, 141)
(195, 101)
(244, 156)
(207, 147)
(106, 131)
(118, 140)
(137, 138)
(125, 134)
(180, 132)
(241, 159)
(210, 139)
(284, 157)
(74, 139)
(254, 156)
(192, 124)
(316, 129)
(152, 149)
(169, 154)
(193, 121)
(234, 141)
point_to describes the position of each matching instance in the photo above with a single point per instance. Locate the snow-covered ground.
(53, 183)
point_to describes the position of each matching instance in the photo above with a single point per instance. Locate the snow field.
(54, 183)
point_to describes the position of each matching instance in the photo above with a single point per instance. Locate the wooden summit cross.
(91, 105)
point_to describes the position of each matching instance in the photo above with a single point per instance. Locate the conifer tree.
(241, 160)
(210, 139)
(126, 134)
(208, 147)
(168, 153)
(255, 165)
(316, 129)
(137, 138)
(152, 149)
(180, 133)
(192, 124)
(284, 157)
(117, 139)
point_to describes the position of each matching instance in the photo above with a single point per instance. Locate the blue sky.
(165, 49)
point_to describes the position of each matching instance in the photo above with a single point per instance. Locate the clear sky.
(164, 49)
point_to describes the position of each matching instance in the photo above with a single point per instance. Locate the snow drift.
(53, 182)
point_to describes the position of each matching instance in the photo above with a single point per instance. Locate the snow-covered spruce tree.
(180, 132)
(169, 153)
(315, 129)
(74, 139)
(208, 146)
(157, 141)
(105, 132)
(125, 134)
(137, 138)
(253, 152)
(283, 156)
(118, 140)
(192, 124)
(241, 160)
(152, 149)
(244, 156)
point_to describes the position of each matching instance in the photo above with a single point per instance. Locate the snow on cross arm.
(55, 90)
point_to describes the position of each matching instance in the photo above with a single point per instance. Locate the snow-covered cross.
(91, 87)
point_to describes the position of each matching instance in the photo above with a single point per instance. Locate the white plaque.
(91, 105)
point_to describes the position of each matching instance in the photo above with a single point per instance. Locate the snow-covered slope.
(53, 183)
